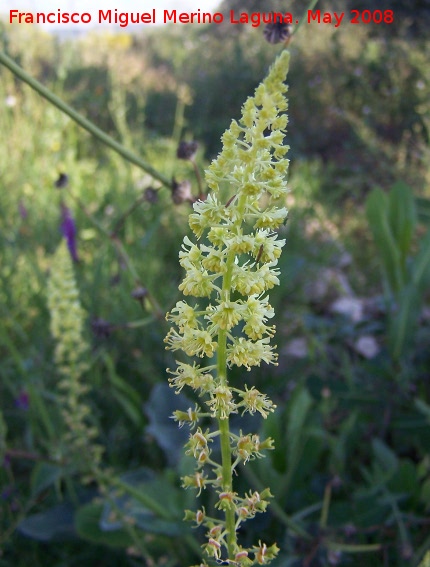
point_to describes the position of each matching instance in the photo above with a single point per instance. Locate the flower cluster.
(231, 270)
(67, 315)
(67, 325)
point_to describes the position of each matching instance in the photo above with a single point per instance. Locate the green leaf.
(298, 409)
(425, 493)
(3, 434)
(423, 209)
(426, 560)
(377, 216)
(159, 409)
(273, 427)
(43, 476)
(403, 321)
(53, 524)
(87, 524)
(339, 443)
(385, 457)
(127, 397)
(402, 218)
(423, 408)
(164, 518)
(405, 481)
(151, 233)
(421, 265)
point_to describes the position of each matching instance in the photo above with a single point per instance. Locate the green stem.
(311, 6)
(227, 484)
(178, 124)
(198, 179)
(141, 497)
(122, 254)
(81, 120)
(224, 428)
(120, 222)
(148, 502)
(132, 532)
(224, 424)
(353, 548)
(20, 454)
(326, 506)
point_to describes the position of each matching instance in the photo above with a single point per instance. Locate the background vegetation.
(352, 460)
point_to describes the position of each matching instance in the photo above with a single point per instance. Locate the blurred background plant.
(352, 434)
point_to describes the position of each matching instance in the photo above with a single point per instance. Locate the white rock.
(367, 346)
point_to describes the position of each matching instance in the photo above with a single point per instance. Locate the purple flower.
(68, 228)
(22, 402)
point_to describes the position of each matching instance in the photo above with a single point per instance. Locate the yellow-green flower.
(67, 328)
(234, 266)
(221, 402)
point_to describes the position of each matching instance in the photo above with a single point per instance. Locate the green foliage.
(3, 433)
(55, 523)
(87, 523)
(393, 221)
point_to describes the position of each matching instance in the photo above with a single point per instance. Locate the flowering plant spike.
(71, 351)
(231, 271)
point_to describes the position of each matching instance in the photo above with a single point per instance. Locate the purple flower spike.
(68, 228)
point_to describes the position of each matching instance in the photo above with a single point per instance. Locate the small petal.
(68, 228)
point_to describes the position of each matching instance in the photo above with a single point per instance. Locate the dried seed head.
(151, 195)
(139, 293)
(62, 181)
(187, 150)
(181, 192)
(102, 329)
(277, 32)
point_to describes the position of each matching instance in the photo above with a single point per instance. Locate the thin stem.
(178, 123)
(227, 484)
(277, 510)
(123, 256)
(138, 541)
(120, 222)
(81, 120)
(224, 428)
(353, 548)
(311, 6)
(224, 424)
(20, 454)
(201, 194)
(148, 502)
(146, 499)
(326, 506)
